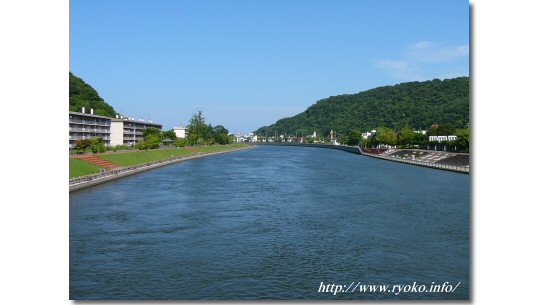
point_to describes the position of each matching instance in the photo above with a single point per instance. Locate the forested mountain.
(83, 95)
(414, 104)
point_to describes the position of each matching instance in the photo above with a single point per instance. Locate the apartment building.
(128, 131)
(84, 126)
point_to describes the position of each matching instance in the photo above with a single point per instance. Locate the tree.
(97, 145)
(152, 139)
(169, 134)
(422, 140)
(180, 142)
(406, 136)
(220, 134)
(197, 129)
(81, 146)
(464, 138)
(208, 135)
(353, 138)
(386, 136)
(151, 131)
(441, 130)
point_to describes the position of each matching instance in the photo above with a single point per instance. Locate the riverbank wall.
(451, 168)
(96, 179)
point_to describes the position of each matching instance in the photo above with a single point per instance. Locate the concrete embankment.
(451, 168)
(92, 180)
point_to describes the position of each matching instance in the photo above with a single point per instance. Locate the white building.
(83, 126)
(128, 131)
(366, 135)
(442, 138)
(181, 132)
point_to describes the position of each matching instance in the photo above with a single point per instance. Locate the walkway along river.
(270, 222)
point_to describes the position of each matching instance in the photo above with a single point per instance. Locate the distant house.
(181, 132)
(366, 135)
(239, 138)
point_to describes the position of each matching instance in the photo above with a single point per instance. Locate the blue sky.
(246, 64)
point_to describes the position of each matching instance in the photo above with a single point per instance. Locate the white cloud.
(419, 57)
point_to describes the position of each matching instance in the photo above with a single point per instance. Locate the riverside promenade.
(79, 183)
(461, 168)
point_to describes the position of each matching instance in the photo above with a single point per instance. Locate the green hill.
(415, 104)
(83, 95)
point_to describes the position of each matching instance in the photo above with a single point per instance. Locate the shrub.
(180, 142)
(81, 146)
(97, 145)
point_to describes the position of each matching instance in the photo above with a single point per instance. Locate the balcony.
(95, 130)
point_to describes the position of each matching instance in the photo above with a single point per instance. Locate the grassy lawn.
(79, 168)
(139, 157)
(215, 148)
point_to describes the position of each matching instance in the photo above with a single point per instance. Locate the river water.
(271, 223)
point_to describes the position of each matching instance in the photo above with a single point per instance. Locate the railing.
(113, 172)
(463, 169)
(90, 130)
(87, 138)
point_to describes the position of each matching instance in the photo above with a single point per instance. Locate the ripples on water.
(271, 222)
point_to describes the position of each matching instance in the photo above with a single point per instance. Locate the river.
(271, 223)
